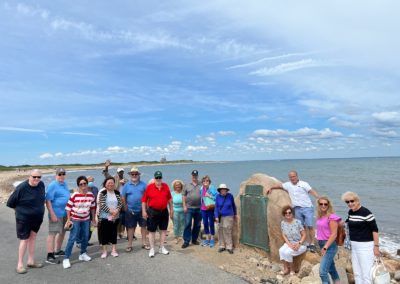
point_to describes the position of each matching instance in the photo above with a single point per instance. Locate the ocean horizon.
(374, 179)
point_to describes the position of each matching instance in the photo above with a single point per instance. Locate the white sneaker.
(85, 257)
(151, 252)
(163, 250)
(66, 263)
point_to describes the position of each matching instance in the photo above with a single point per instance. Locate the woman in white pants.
(294, 235)
(364, 238)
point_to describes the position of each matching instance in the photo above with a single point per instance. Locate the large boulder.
(276, 200)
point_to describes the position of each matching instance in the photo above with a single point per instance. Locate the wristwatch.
(300, 243)
(324, 248)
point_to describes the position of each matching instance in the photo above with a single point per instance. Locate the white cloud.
(80, 133)
(288, 67)
(226, 133)
(19, 129)
(302, 132)
(192, 148)
(389, 117)
(46, 156)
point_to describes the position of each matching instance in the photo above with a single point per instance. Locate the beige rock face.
(276, 200)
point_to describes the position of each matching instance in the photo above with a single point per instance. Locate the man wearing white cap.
(132, 194)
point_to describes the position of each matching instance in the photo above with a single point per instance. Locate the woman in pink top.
(327, 225)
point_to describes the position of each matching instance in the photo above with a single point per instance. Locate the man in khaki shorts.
(57, 196)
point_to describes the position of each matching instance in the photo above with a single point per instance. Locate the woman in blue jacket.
(225, 214)
(208, 194)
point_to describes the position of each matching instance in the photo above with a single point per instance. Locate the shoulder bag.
(379, 273)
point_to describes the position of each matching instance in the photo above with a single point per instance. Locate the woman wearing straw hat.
(225, 213)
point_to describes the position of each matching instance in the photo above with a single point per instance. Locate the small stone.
(275, 268)
(397, 275)
(252, 259)
(222, 267)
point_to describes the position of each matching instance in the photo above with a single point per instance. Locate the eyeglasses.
(82, 184)
(37, 177)
(288, 213)
(158, 178)
(61, 174)
(349, 201)
(323, 204)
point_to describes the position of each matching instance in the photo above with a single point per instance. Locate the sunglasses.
(36, 177)
(158, 178)
(323, 204)
(61, 174)
(82, 184)
(288, 213)
(349, 201)
(134, 175)
(206, 180)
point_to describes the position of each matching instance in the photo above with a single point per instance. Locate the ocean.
(375, 180)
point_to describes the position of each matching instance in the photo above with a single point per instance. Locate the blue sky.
(83, 81)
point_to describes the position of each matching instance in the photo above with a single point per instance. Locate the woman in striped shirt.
(78, 208)
(364, 238)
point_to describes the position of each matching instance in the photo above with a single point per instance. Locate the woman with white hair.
(364, 238)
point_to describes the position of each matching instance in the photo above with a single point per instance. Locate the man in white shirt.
(299, 192)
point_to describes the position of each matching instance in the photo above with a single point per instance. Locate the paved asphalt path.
(136, 267)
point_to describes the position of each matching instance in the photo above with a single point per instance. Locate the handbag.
(209, 202)
(341, 234)
(379, 273)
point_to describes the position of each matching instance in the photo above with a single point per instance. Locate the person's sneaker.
(163, 250)
(66, 263)
(230, 251)
(78, 246)
(114, 254)
(90, 244)
(151, 252)
(51, 259)
(221, 249)
(85, 257)
(185, 245)
(205, 243)
(59, 253)
(196, 243)
(212, 243)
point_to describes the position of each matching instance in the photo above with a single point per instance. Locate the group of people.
(118, 206)
(297, 231)
(150, 206)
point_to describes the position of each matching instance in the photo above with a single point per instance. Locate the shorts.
(157, 219)
(132, 219)
(305, 215)
(24, 228)
(57, 227)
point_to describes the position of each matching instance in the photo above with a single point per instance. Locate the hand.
(171, 215)
(94, 223)
(185, 209)
(376, 251)
(269, 190)
(323, 252)
(216, 220)
(107, 163)
(144, 215)
(296, 247)
(53, 218)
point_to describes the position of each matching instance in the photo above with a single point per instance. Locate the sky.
(86, 81)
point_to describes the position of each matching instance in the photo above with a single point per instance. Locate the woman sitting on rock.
(327, 225)
(294, 235)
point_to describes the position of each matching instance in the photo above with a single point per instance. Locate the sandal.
(128, 249)
(147, 247)
(35, 265)
(292, 273)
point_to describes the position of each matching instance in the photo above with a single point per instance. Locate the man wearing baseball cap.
(57, 196)
(155, 202)
(191, 206)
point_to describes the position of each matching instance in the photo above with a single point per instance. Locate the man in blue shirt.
(132, 193)
(57, 196)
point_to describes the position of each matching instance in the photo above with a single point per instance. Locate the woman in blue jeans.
(207, 211)
(327, 225)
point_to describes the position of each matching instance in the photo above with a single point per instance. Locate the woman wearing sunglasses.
(294, 235)
(78, 208)
(327, 225)
(364, 237)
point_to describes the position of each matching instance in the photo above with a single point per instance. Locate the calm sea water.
(376, 180)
